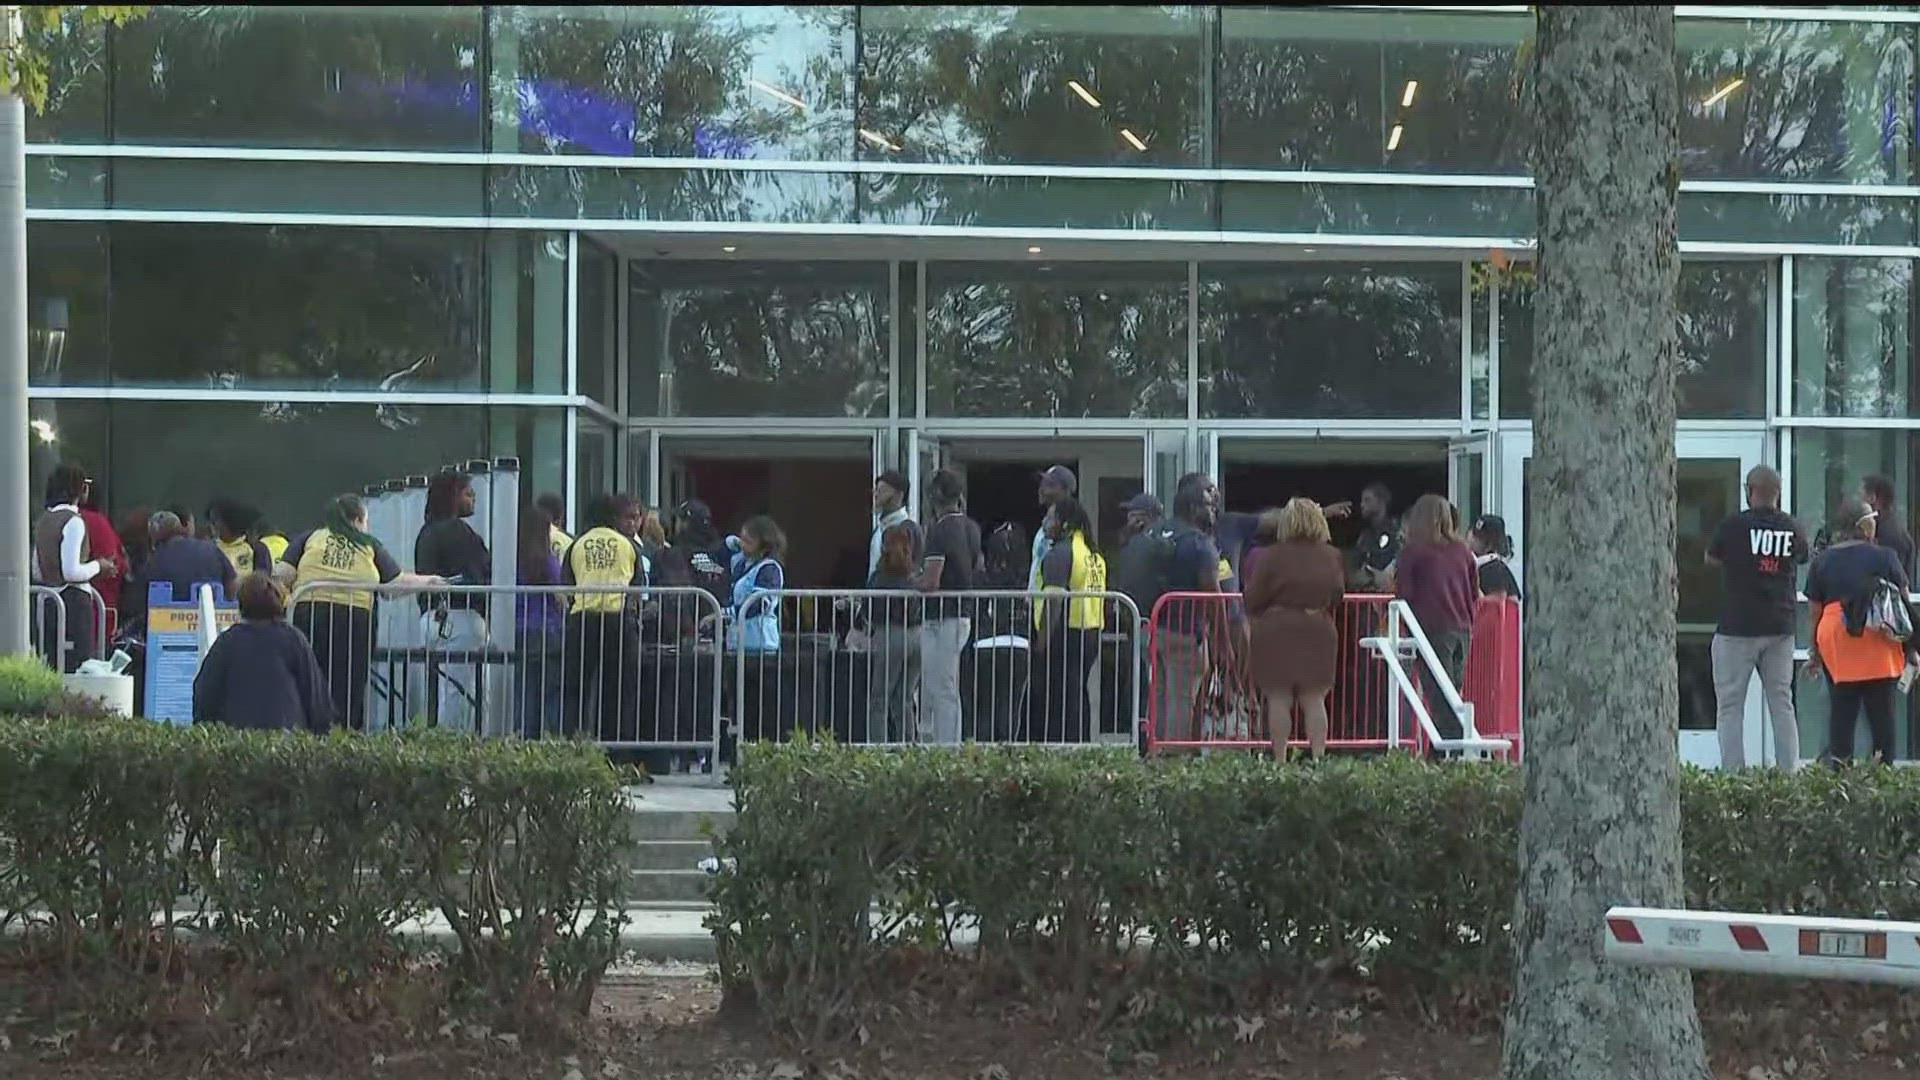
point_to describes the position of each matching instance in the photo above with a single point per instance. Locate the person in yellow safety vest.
(557, 515)
(337, 618)
(602, 646)
(1067, 629)
(232, 524)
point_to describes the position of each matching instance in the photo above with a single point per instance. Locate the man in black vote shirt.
(1757, 551)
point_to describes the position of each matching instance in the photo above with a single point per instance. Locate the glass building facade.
(757, 253)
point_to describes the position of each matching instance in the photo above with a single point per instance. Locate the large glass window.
(286, 459)
(1796, 100)
(689, 81)
(1093, 85)
(1371, 91)
(76, 107)
(1330, 340)
(1853, 330)
(597, 321)
(68, 325)
(404, 78)
(1828, 467)
(1060, 340)
(1721, 370)
(312, 308)
(758, 338)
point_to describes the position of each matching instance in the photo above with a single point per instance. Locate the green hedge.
(305, 856)
(1227, 876)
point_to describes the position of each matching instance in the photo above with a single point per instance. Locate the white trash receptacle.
(113, 691)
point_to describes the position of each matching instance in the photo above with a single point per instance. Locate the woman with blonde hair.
(1437, 577)
(1291, 594)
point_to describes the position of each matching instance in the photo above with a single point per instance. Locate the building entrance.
(1259, 473)
(819, 490)
(1002, 478)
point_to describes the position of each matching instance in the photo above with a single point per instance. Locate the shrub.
(1095, 876)
(309, 854)
(28, 687)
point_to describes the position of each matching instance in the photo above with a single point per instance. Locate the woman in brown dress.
(1290, 600)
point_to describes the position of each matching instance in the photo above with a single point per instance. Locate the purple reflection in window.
(562, 115)
(557, 114)
(710, 141)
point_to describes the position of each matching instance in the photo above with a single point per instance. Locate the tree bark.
(1602, 819)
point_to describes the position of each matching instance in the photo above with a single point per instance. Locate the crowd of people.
(1857, 585)
(1280, 636)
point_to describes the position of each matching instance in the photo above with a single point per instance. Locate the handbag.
(1888, 612)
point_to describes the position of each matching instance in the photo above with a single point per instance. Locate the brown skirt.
(1293, 649)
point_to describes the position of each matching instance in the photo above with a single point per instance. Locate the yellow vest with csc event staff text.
(603, 558)
(1089, 575)
(330, 559)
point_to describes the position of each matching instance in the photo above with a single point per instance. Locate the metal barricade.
(891, 668)
(1205, 694)
(52, 623)
(632, 668)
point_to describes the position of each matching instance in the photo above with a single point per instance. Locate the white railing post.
(1393, 690)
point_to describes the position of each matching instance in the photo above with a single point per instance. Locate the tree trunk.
(1602, 821)
(14, 637)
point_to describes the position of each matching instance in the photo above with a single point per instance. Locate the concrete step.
(646, 825)
(668, 854)
(682, 886)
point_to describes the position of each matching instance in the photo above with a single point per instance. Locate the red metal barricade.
(1493, 670)
(1201, 693)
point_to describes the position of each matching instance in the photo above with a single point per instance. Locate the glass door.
(1470, 479)
(1709, 474)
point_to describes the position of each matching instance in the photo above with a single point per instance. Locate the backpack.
(1144, 568)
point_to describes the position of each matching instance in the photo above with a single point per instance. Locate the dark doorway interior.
(1003, 491)
(1255, 487)
(824, 505)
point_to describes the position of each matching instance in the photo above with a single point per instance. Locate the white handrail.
(1470, 740)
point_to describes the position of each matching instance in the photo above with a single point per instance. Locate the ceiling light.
(1309, 250)
(1134, 139)
(1033, 251)
(729, 249)
(1406, 96)
(43, 429)
(879, 140)
(1393, 139)
(1721, 94)
(776, 92)
(1085, 94)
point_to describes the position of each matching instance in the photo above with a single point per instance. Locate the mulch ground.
(666, 1024)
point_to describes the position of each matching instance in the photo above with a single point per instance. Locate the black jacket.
(262, 675)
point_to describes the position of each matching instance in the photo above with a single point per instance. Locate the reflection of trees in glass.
(313, 308)
(1721, 349)
(1011, 340)
(67, 328)
(1815, 101)
(1311, 89)
(405, 78)
(677, 81)
(1721, 363)
(988, 84)
(76, 57)
(1854, 327)
(744, 339)
(1330, 341)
